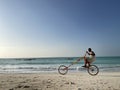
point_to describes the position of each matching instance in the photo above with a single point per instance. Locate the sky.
(59, 28)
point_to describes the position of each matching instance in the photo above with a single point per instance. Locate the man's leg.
(85, 61)
(88, 64)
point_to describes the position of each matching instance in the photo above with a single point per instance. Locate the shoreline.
(55, 81)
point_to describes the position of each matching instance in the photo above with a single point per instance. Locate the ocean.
(50, 65)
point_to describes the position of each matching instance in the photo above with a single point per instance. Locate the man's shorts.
(91, 59)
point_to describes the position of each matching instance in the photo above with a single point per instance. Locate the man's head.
(89, 49)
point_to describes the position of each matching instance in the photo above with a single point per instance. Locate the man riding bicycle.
(89, 58)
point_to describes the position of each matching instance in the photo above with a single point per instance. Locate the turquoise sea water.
(42, 65)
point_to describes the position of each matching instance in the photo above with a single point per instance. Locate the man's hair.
(89, 49)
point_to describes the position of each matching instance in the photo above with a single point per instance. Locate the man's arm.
(92, 53)
(87, 52)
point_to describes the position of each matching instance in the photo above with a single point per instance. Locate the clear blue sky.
(53, 28)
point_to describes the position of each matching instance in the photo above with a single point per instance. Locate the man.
(89, 58)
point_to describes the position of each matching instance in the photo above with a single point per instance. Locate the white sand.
(55, 81)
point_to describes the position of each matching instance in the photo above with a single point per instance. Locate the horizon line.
(49, 57)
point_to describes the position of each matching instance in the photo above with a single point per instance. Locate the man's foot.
(84, 66)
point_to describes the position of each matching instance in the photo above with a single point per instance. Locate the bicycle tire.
(63, 69)
(93, 70)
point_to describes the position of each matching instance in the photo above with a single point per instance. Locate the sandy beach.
(55, 81)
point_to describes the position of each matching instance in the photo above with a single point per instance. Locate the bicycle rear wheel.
(93, 70)
(62, 69)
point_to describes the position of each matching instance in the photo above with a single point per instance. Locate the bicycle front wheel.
(93, 70)
(62, 69)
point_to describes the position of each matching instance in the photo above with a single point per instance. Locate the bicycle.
(92, 69)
